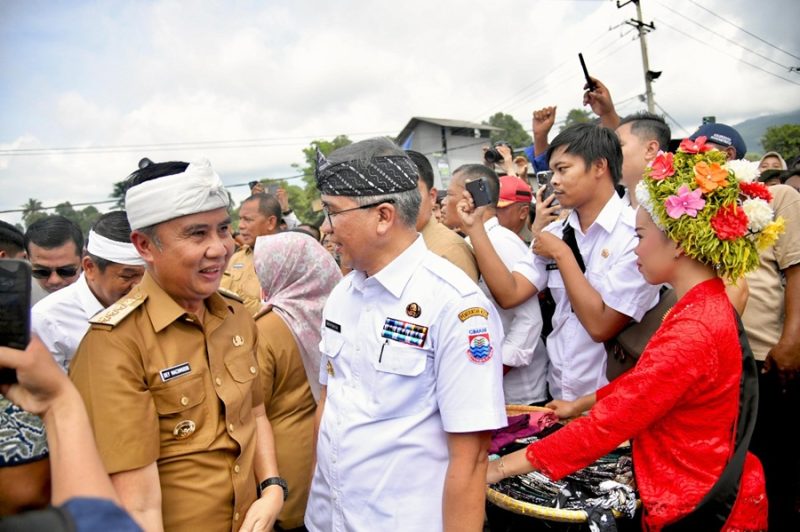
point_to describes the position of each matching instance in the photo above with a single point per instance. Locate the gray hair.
(406, 204)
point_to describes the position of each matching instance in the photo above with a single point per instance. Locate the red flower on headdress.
(729, 223)
(697, 145)
(756, 190)
(662, 167)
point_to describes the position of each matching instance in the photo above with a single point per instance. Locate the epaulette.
(117, 312)
(230, 294)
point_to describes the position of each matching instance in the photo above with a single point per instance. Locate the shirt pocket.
(243, 370)
(182, 414)
(331, 345)
(404, 381)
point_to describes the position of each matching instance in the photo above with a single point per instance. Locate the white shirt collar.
(395, 276)
(607, 218)
(88, 301)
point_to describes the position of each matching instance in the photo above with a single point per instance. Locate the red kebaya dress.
(680, 406)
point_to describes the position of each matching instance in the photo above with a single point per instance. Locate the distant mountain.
(752, 130)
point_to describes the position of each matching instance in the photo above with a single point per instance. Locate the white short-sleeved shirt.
(62, 318)
(523, 349)
(578, 364)
(409, 355)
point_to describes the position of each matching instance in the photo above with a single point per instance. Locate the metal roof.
(444, 122)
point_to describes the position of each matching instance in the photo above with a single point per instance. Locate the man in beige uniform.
(259, 215)
(169, 375)
(439, 239)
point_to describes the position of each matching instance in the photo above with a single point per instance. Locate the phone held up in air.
(543, 179)
(15, 309)
(590, 84)
(479, 190)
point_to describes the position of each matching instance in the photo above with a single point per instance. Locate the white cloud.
(163, 72)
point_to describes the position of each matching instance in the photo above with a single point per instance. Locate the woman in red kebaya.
(697, 225)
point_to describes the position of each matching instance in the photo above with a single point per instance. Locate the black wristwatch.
(287, 213)
(271, 481)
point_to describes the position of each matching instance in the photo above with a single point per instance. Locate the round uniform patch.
(480, 348)
(413, 310)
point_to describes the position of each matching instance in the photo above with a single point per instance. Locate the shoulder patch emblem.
(472, 312)
(480, 348)
(117, 312)
(229, 294)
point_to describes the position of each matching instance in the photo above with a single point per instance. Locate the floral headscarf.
(297, 274)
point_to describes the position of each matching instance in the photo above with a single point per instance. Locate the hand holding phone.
(15, 309)
(543, 179)
(479, 190)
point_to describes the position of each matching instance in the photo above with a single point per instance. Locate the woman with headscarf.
(689, 403)
(296, 275)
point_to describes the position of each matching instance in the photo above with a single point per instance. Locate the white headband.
(111, 250)
(197, 189)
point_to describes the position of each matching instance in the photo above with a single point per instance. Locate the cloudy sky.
(248, 84)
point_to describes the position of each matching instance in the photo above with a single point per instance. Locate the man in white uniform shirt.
(591, 308)
(411, 367)
(111, 267)
(524, 354)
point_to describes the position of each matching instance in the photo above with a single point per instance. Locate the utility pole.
(644, 29)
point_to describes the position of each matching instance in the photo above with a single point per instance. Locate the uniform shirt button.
(253, 370)
(236, 516)
(218, 381)
(236, 468)
(184, 400)
(230, 427)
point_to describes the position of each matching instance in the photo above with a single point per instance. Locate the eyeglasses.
(62, 271)
(329, 215)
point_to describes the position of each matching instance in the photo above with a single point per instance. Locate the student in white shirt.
(591, 307)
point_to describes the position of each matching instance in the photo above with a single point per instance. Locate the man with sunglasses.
(54, 246)
(111, 267)
(411, 369)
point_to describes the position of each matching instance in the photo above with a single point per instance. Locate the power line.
(670, 117)
(705, 28)
(744, 30)
(187, 145)
(726, 53)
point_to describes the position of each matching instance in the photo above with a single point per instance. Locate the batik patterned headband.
(379, 176)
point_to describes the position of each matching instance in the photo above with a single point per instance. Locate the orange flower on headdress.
(710, 176)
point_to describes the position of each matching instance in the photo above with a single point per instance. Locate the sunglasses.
(61, 271)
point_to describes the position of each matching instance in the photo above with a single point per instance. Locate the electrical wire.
(697, 4)
(671, 118)
(707, 29)
(662, 22)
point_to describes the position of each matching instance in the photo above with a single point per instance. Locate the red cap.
(513, 190)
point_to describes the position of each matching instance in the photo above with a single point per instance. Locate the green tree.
(83, 218)
(577, 116)
(302, 199)
(512, 131)
(783, 139)
(32, 211)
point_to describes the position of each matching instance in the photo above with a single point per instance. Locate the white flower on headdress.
(744, 170)
(643, 197)
(758, 212)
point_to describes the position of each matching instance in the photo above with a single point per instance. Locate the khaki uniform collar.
(163, 310)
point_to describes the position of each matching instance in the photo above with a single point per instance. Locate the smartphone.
(543, 179)
(15, 309)
(479, 190)
(589, 83)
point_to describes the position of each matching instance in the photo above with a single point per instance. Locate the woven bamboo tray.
(534, 510)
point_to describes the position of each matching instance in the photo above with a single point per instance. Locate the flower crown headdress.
(711, 207)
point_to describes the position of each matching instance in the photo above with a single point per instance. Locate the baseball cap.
(513, 190)
(723, 135)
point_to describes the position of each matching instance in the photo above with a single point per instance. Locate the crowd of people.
(186, 374)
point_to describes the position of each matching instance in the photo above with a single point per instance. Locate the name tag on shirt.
(333, 326)
(550, 267)
(404, 332)
(175, 371)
